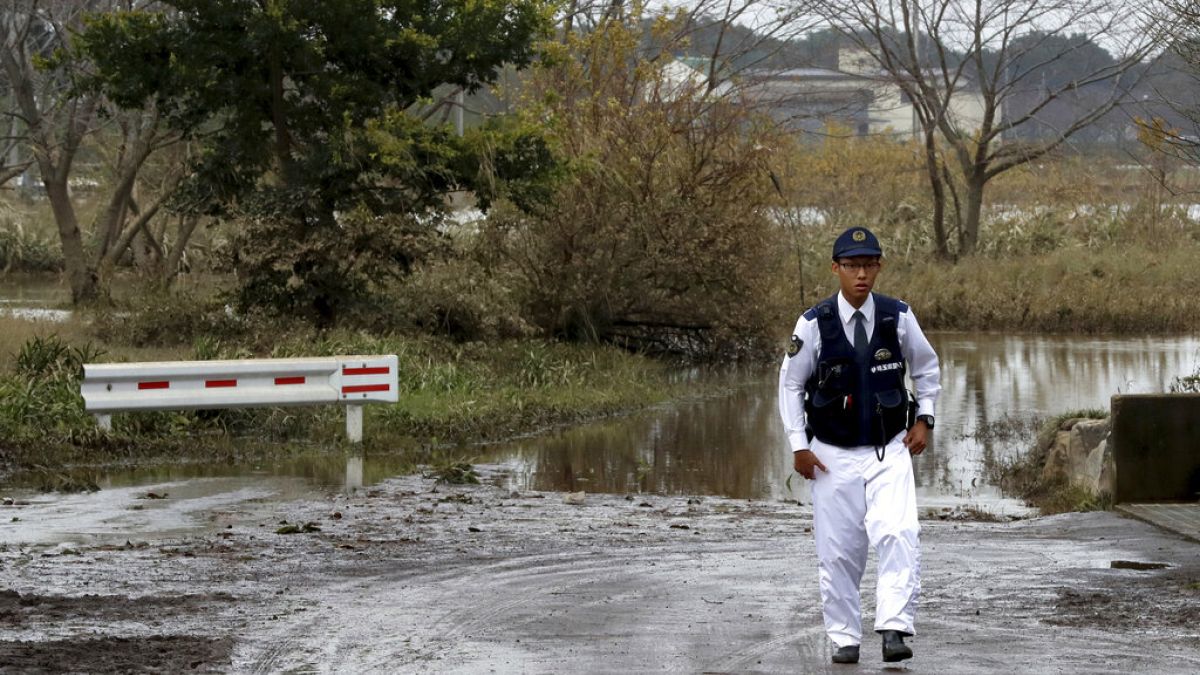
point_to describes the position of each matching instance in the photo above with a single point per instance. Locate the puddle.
(117, 515)
(198, 497)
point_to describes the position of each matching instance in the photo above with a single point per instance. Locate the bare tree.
(13, 162)
(56, 117)
(998, 51)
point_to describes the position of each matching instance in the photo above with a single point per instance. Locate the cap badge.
(859, 235)
(883, 355)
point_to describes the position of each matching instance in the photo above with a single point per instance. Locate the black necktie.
(860, 334)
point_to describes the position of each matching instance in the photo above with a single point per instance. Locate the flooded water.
(734, 445)
(40, 293)
(727, 442)
(34, 301)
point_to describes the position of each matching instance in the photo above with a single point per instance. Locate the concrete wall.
(1156, 447)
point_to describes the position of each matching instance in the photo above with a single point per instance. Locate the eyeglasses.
(854, 267)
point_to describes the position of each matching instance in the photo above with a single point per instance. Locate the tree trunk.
(127, 237)
(942, 247)
(81, 275)
(108, 224)
(187, 225)
(974, 211)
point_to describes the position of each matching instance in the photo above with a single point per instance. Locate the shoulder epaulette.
(825, 308)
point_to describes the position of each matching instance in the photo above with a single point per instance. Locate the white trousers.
(863, 501)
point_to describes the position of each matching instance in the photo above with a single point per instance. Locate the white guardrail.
(351, 381)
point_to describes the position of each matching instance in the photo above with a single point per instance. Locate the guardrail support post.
(354, 473)
(104, 422)
(354, 415)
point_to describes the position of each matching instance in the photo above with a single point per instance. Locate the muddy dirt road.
(410, 576)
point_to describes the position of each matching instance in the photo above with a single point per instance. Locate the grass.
(1023, 477)
(1047, 270)
(1062, 291)
(451, 394)
(1130, 289)
(16, 332)
(1008, 427)
(1067, 498)
(453, 471)
(25, 246)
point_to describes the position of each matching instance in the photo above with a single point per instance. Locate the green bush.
(457, 297)
(323, 273)
(165, 318)
(41, 399)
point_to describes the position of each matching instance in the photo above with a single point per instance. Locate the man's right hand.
(807, 464)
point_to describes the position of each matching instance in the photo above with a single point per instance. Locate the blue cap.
(856, 241)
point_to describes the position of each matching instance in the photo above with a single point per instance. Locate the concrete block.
(1156, 447)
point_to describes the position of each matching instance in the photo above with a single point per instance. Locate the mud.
(411, 576)
(154, 654)
(17, 610)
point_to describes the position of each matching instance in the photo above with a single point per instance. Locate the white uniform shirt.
(795, 371)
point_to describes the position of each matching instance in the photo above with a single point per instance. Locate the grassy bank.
(1129, 289)
(450, 394)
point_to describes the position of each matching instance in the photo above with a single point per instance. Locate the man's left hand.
(917, 438)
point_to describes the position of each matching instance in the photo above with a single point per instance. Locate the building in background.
(856, 95)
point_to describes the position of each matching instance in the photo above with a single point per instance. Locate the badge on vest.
(883, 355)
(794, 346)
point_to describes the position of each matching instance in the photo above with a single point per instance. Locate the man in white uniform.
(852, 431)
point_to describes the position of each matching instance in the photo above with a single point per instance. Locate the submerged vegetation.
(451, 394)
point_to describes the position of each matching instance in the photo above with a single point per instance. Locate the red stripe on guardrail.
(154, 385)
(359, 388)
(372, 370)
(213, 384)
(289, 380)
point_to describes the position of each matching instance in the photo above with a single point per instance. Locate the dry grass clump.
(1114, 290)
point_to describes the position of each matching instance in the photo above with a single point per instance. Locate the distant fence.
(351, 381)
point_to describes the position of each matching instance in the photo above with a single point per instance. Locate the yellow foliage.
(857, 180)
(662, 236)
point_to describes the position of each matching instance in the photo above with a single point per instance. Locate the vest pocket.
(833, 419)
(891, 414)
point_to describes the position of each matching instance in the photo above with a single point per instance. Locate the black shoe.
(894, 648)
(847, 654)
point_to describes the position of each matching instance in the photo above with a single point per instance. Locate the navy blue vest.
(850, 402)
